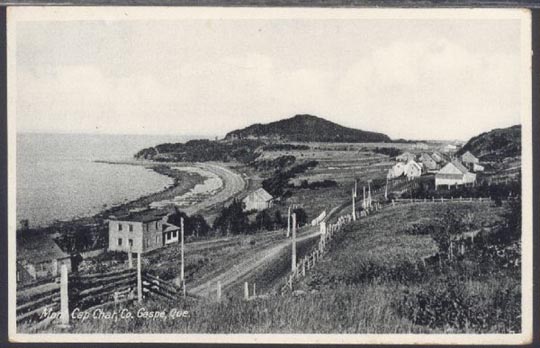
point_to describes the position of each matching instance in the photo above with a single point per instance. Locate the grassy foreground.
(370, 281)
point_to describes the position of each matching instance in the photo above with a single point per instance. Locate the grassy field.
(368, 282)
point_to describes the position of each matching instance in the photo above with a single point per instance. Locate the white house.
(141, 231)
(454, 173)
(413, 170)
(396, 171)
(258, 200)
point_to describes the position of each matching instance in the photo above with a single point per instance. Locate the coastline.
(182, 182)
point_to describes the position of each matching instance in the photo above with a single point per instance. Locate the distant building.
(406, 157)
(477, 168)
(258, 200)
(142, 231)
(413, 170)
(396, 171)
(429, 164)
(468, 157)
(38, 256)
(454, 173)
(449, 148)
(438, 157)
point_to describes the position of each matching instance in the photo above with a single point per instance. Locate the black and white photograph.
(269, 175)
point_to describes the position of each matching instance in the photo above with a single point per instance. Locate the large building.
(396, 171)
(38, 256)
(454, 173)
(141, 231)
(258, 200)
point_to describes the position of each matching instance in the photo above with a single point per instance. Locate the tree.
(301, 216)
(263, 220)
(278, 219)
(232, 219)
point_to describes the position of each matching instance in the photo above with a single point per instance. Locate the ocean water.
(57, 178)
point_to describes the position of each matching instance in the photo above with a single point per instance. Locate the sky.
(408, 78)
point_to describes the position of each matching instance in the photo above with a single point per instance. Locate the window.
(174, 234)
(130, 242)
(119, 227)
(156, 225)
(157, 239)
(130, 227)
(119, 241)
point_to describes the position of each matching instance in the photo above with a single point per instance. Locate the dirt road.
(233, 184)
(249, 264)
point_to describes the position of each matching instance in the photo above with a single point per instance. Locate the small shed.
(468, 157)
(38, 256)
(258, 200)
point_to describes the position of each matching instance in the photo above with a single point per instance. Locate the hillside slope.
(306, 128)
(496, 144)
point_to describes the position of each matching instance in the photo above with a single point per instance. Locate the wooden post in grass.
(364, 197)
(353, 205)
(219, 291)
(64, 299)
(130, 259)
(139, 278)
(369, 193)
(182, 249)
(386, 190)
(254, 290)
(289, 222)
(293, 256)
(246, 291)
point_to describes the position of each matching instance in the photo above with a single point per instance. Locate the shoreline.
(182, 182)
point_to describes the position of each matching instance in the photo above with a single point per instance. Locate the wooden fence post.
(139, 278)
(130, 259)
(64, 297)
(293, 256)
(254, 290)
(182, 248)
(353, 204)
(246, 290)
(219, 291)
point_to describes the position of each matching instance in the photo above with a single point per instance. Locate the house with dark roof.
(258, 200)
(428, 163)
(38, 256)
(142, 231)
(454, 173)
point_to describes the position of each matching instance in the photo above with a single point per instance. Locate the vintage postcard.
(270, 175)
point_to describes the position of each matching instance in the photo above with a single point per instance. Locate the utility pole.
(182, 256)
(353, 205)
(293, 258)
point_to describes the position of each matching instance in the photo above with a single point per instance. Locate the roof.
(141, 216)
(259, 195)
(426, 157)
(37, 248)
(456, 164)
(414, 164)
(460, 166)
(168, 227)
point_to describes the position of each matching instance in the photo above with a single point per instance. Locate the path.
(250, 264)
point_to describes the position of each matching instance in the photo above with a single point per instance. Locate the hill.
(496, 144)
(306, 128)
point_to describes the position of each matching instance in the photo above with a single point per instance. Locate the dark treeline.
(203, 150)
(278, 163)
(284, 147)
(276, 184)
(389, 151)
(233, 220)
